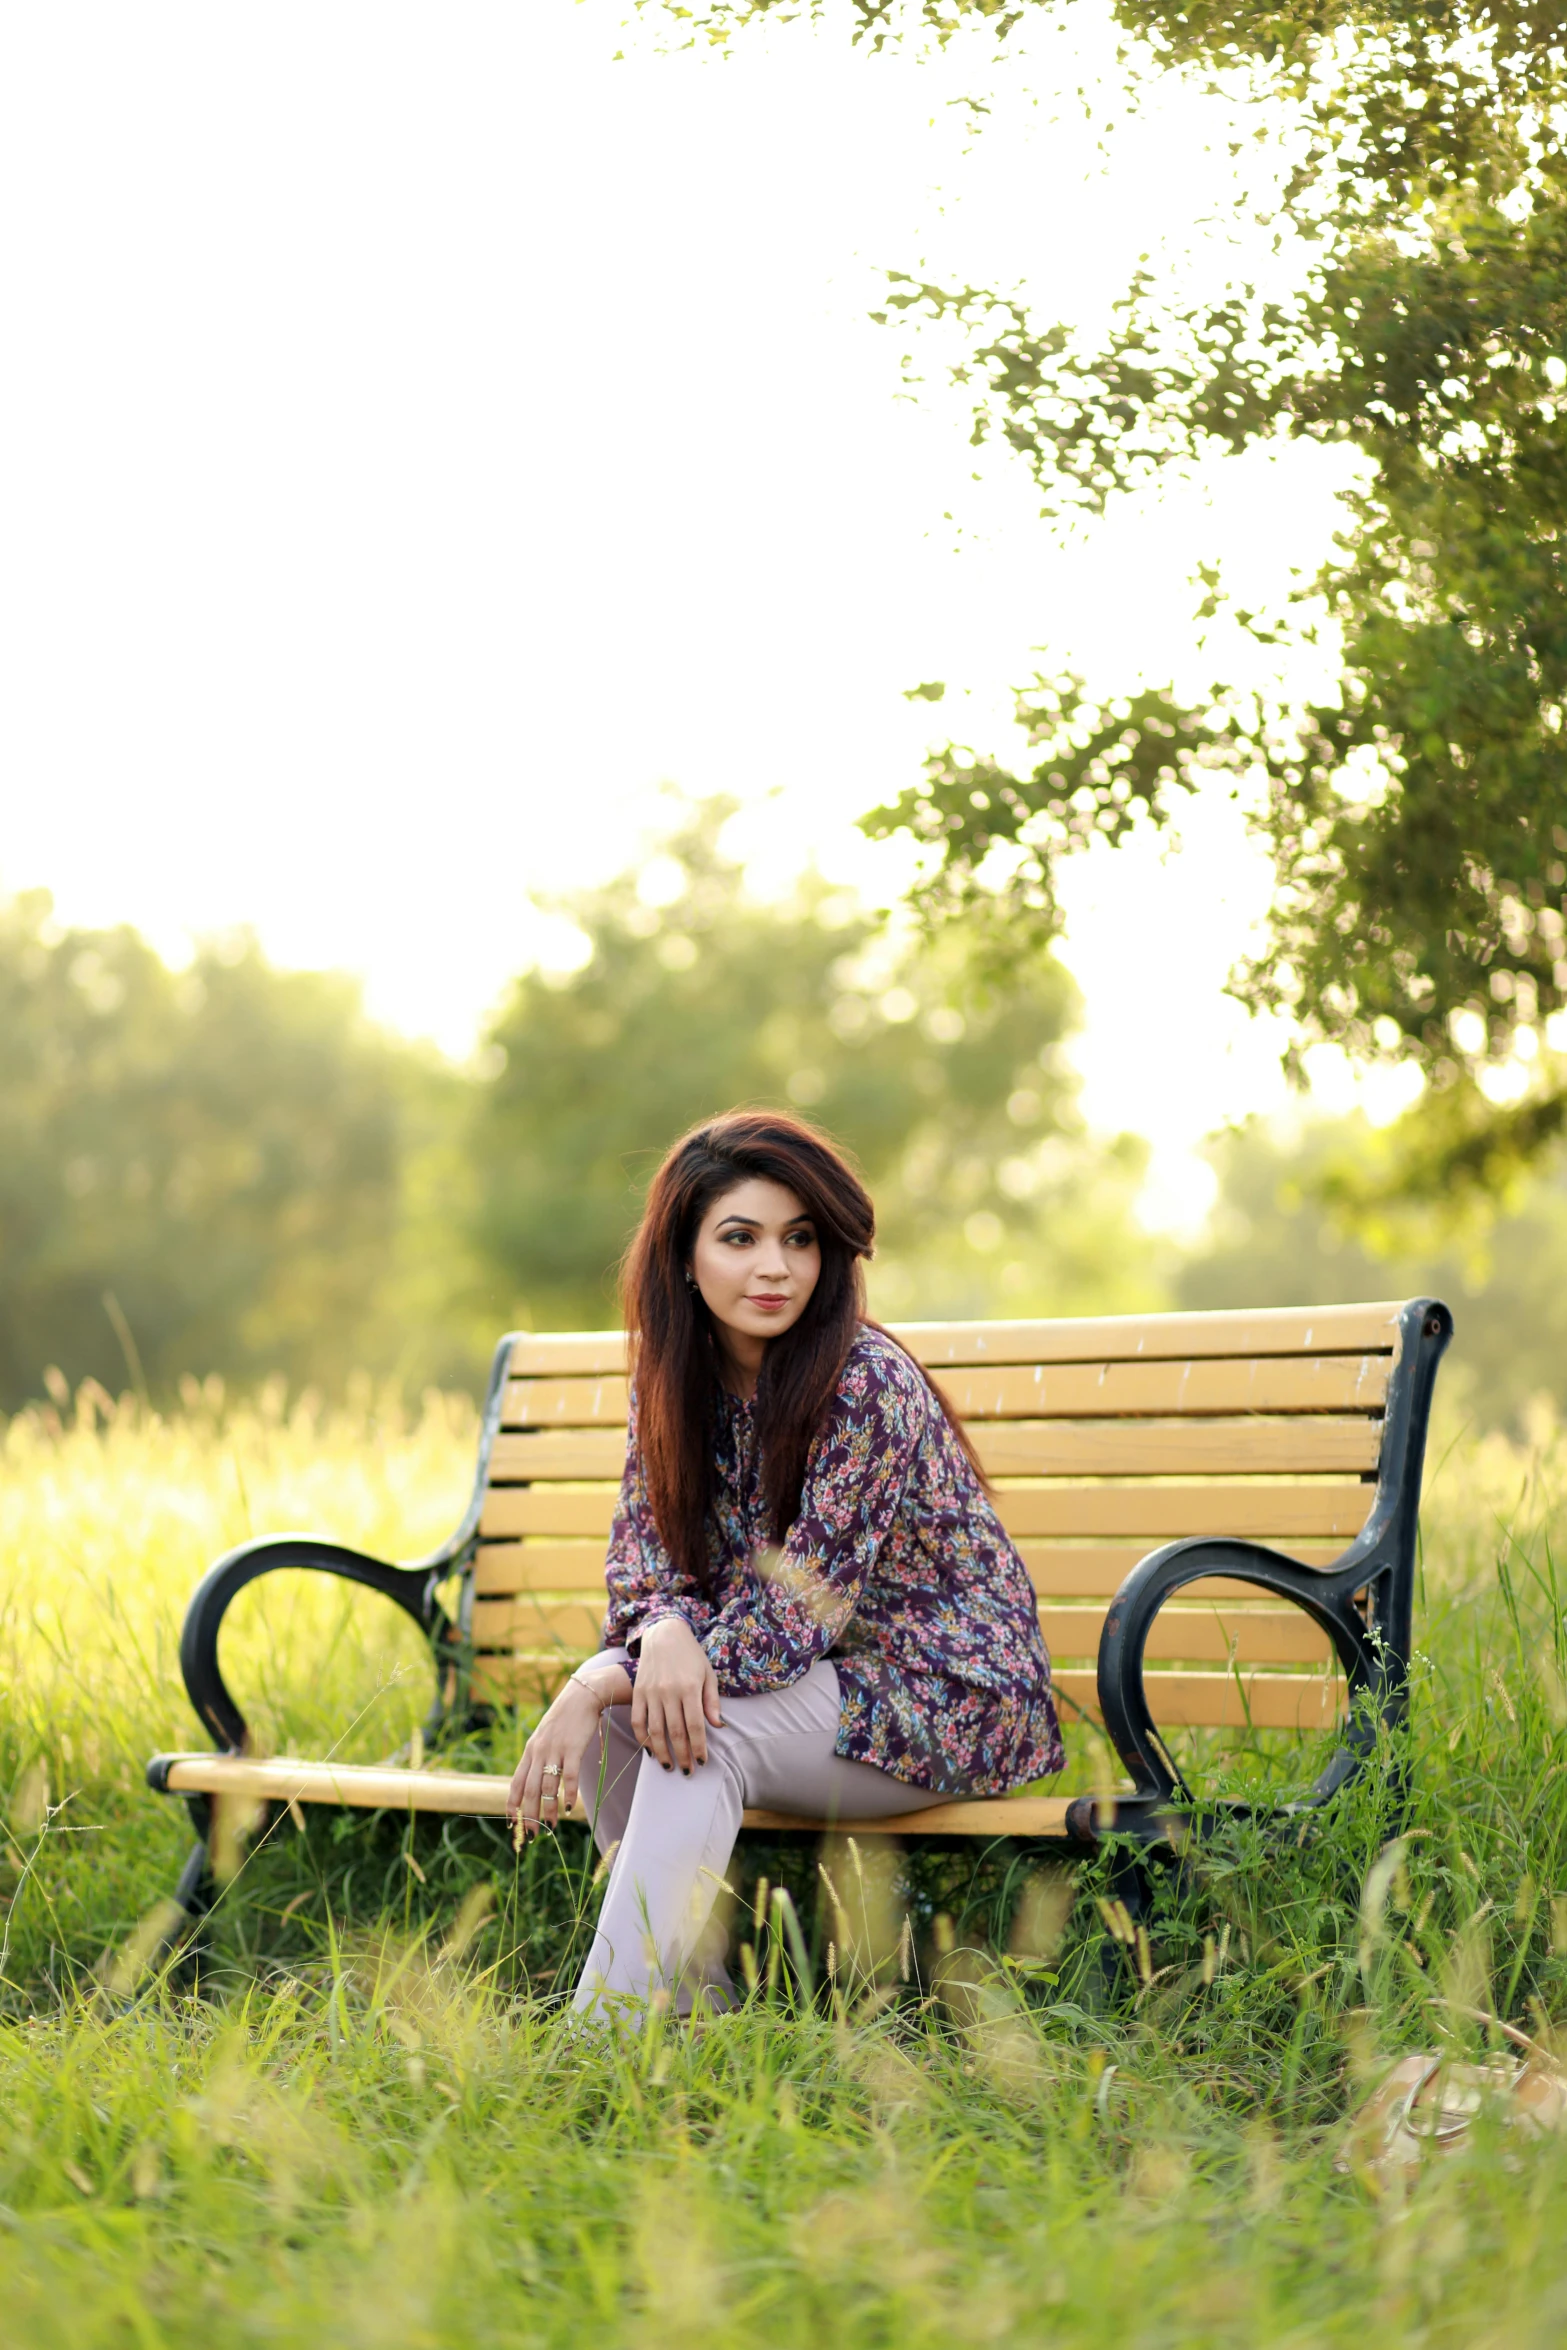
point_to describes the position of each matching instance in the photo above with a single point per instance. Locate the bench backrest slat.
(1155, 1513)
(1276, 1330)
(1058, 1570)
(1104, 1438)
(1058, 1391)
(1029, 1448)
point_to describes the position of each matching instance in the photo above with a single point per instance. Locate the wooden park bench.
(1218, 1512)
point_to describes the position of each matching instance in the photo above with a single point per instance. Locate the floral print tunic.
(897, 1569)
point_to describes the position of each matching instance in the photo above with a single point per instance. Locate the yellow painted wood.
(1033, 1448)
(538, 1566)
(568, 1354)
(479, 1795)
(529, 1623)
(1188, 1633)
(1112, 1390)
(482, 1795)
(1176, 1448)
(1154, 1513)
(547, 1509)
(1199, 1634)
(1058, 1571)
(1283, 1330)
(1009, 1815)
(1213, 1701)
(1162, 1513)
(1065, 1391)
(1178, 1699)
(559, 1452)
(565, 1403)
(1097, 1571)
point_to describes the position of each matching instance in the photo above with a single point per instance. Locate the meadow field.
(942, 2118)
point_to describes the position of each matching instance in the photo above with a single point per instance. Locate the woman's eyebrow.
(749, 1222)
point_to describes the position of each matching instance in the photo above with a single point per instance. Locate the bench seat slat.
(1283, 1330)
(1155, 1513)
(1032, 1448)
(1058, 1570)
(1031, 1391)
(482, 1795)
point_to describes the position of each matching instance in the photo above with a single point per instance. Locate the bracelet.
(602, 1702)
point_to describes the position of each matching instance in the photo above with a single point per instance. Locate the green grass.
(378, 2128)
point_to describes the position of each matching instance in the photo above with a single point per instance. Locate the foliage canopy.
(1418, 819)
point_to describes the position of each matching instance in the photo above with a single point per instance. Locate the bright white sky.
(423, 434)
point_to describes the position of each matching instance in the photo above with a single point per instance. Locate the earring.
(690, 1280)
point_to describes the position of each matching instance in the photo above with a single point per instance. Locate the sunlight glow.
(435, 435)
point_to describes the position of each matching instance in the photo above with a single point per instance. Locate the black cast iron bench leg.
(186, 1948)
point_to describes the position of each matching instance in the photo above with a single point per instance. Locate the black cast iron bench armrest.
(1374, 1673)
(413, 1588)
(1371, 1637)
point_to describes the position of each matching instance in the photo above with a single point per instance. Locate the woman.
(813, 1607)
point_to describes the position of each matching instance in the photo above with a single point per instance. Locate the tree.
(954, 1099)
(199, 1171)
(1418, 820)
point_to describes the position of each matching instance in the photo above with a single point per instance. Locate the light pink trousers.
(672, 1836)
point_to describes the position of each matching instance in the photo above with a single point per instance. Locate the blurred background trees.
(198, 1170)
(954, 1098)
(229, 1169)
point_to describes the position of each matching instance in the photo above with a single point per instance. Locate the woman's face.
(756, 1259)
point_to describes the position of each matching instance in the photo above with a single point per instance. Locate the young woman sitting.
(813, 1607)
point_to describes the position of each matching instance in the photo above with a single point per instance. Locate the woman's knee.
(765, 1739)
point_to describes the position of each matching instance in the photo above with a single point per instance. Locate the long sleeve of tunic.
(896, 1567)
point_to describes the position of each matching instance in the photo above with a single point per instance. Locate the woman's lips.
(767, 1305)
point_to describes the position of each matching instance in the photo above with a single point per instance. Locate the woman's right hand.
(675, 1695)
(544, 1784)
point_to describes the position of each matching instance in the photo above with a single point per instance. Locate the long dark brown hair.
(674, 1353)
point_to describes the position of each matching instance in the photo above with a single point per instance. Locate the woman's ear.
(690, 1280)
